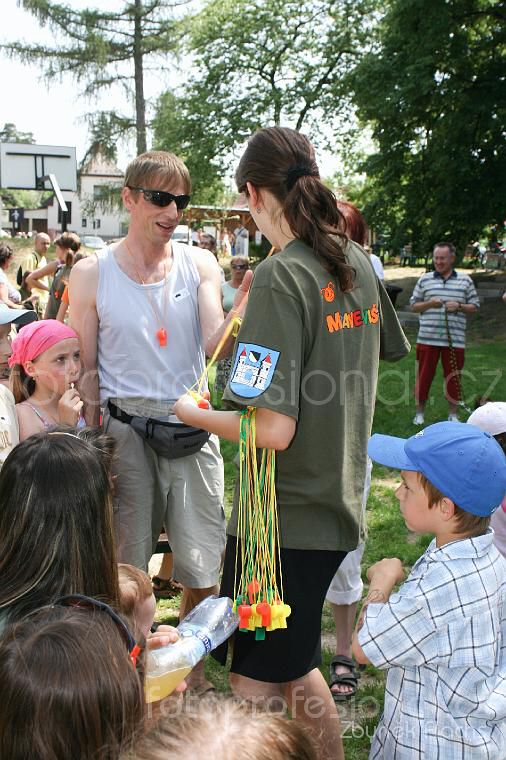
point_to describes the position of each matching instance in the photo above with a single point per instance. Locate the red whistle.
(161, 335)
(264, 610)
(253, 589)
(244, 612)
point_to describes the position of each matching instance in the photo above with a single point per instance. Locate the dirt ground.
(488, 324)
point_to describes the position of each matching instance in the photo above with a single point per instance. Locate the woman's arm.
(273, 430)
(33, 279)
(62, 312)
(4, 297)
(64, 305)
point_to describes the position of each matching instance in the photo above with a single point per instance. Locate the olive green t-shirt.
(307, 350)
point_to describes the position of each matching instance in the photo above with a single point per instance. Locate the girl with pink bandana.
(46, 365)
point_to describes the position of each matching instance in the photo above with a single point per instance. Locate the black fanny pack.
(171, 440)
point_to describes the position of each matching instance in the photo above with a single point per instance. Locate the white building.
(108, 224)
(81, 218)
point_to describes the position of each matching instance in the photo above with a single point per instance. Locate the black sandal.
(165, 588)
(343, 679)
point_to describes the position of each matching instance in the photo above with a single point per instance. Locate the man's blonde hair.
(155, 170)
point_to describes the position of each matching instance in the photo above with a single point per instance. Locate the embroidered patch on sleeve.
(253, 370)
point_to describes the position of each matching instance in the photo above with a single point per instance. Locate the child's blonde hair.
(134, 588)
(224, 729)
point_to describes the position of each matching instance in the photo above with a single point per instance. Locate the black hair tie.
(295, 172)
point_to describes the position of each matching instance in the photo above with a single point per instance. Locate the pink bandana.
(36, 338)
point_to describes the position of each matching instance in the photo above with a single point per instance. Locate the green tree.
(435, 97)
(185, 134)
(11, 134)
(261, 62)
(101, 49)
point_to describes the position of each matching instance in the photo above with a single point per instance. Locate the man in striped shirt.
(443, 298)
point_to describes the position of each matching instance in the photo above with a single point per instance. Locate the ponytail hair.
(70, 242)
(21, 384)
(282, 161)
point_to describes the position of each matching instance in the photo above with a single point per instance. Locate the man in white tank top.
(147, 311)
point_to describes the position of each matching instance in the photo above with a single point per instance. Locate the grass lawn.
(387, 536)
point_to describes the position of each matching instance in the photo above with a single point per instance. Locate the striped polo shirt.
(457, 287)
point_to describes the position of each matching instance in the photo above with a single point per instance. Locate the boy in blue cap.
(442, 636)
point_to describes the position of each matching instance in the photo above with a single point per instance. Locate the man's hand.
(452, 306)
(420, 306)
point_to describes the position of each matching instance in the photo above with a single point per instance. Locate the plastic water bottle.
(205, 627)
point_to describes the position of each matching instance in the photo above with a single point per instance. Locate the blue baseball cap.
(464, 463)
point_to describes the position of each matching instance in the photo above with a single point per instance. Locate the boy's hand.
(162, 637)
(383, 576)
(388, 570)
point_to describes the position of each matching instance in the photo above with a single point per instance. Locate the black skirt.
(289, 653)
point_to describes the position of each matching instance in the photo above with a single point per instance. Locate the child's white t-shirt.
(9, 430)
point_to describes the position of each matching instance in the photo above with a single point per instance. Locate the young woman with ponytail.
(307, 358)
(67, 247)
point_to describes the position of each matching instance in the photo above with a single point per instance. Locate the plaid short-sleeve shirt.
(442, 638)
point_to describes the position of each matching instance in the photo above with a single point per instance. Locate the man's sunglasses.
(239, 266)
(88, 603)
(162, 198)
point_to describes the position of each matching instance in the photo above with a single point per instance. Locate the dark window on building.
(96, 224)
(69, 213)
(84, 222)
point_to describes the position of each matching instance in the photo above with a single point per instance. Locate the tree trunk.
(140, 103)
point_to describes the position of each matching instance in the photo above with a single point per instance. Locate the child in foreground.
(69, 685)
(223, 729)
(136, 598)
(441, 635)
